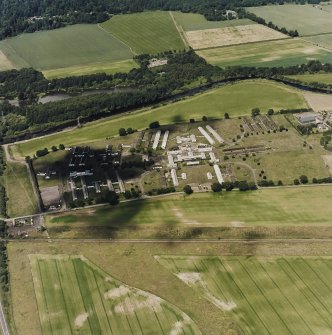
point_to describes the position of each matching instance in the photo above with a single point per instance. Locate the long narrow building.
(174, 177)
(206, 135)
(218, 173)
(156, 140)
(215, 134)
(165, 139)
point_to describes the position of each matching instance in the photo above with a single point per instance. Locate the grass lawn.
(73, 46)
(306, 19)
(270, 53)
(81, 298)
(285, 294)
(236, 99)
(192, 21)
(21, 198)
(148, 32)
(325, 78)
(151, 218)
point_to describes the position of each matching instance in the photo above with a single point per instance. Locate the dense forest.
(18, 16)
(185, 72)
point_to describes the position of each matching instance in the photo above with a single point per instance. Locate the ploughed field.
(278, 295)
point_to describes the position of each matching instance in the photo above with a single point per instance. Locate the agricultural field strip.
(267, 280)
(71, 281)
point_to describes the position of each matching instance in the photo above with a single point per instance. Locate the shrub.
(188, 190)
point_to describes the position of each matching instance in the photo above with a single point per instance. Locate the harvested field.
(81, 298)
(318, 102)
(289, 295)
(307, 19)
(210, 38)
(269, 53)
(193, 21)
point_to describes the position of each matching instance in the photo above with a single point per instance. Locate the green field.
(21, 198)
(278, 296)
(324, 41)
(191, 21)
(73, 46)
(82, 299)
(267, 207)
(148, 32)
(271, 53)
(325, 78)
(306, 19)
(236, 99)
(81, 70)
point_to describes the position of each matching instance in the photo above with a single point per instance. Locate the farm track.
(172, 241)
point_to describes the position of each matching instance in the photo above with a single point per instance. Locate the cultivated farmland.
(270, 53)
(283, 295)
(149, 32)
(237, 99)
(307, 19)
(81, 298)
(74, 46)
(134, 264)
(210, 38)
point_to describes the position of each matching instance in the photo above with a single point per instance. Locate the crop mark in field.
(89, 301)
(219, 37)
(291, 295)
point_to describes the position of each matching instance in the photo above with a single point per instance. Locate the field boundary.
(123, 42)
(246, 43)
(180, 31)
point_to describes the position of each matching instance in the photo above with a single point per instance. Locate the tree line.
(19, 16)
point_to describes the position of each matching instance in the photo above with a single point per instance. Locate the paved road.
(3, 322)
